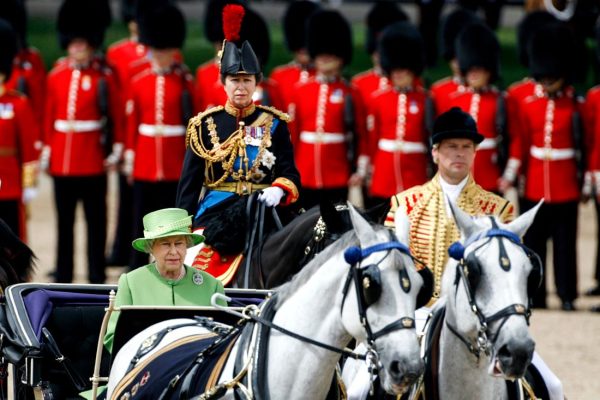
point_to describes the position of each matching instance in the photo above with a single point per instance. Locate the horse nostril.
(395, 368)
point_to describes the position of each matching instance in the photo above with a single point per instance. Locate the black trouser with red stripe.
(556, 221)
(91, 191)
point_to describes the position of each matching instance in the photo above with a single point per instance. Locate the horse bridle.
(456, 251)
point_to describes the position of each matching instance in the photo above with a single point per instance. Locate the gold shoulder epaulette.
(279, 114)
(197, 120)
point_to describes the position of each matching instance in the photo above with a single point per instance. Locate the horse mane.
(17, 260)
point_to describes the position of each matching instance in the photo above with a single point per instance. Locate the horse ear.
(361, 226)
(402, 225)
(520, 225)
(378, 213)
(463, 220)
(332, 218)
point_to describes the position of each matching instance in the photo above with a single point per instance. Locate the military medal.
(197, 278)
(86, 82)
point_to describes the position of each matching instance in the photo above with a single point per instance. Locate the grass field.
(197, 49)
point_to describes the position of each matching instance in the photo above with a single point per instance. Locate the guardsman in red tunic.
(255, 30)
(399, 136)
(478, 54)
(552, 140)
(451, 27)
(18, 134)
(300, 69)
(518, 91)
(81, 99)
(323, 125)
(159, 104)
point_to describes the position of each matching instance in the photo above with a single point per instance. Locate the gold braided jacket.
(431, 230)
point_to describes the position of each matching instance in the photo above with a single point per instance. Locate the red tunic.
(592, 128)
(441, 91)
(19, 132)
(207, 81)
(483, 107)
(29, 73)
(73, 118)
(398, 141)
(287, 76)
(547, 129)
(155, 129)
(319, 134)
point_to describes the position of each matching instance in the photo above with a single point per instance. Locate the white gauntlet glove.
(29, 194)
(45, 158)
(271, 196)
(115, 156)
(128, 159)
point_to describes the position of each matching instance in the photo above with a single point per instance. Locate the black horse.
(17, 260)
(284, 252)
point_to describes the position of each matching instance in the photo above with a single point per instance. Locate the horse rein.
(456, 251)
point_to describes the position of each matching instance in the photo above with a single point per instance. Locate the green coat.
(146, 287)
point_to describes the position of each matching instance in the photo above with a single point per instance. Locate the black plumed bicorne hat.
(213, 19)
(455, 124)
(294, 23)
(329, 33)
(401, 46)
(452, 24)
(83, 20)
(8, 48)
(552, 51)
(530, 23)
(382, 14)
(477, 46)
(162, 26)
(237, 55)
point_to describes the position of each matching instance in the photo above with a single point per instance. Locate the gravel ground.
(568, 342)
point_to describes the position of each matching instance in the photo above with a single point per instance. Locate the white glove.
(45, 158)
(29, 194)
(128, 159)
(271, 196)
(115, 156)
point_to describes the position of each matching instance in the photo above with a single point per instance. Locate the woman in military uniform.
(232, 151)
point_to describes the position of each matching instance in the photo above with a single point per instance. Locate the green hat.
(164, 223)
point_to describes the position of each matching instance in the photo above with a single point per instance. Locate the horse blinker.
(371, 284)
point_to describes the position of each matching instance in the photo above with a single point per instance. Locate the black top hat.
(237, 57)
(294, 23)
(401, 46)
(455, 124)
(8, 47)
(162, 27)
(477, 46)
(452, 24)
(530, 23)
(382, 14)
(213, 19)
(84, 20)
(329, 33)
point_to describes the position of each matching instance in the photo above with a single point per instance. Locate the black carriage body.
(73, 314)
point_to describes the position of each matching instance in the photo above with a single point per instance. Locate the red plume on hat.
(233, 14)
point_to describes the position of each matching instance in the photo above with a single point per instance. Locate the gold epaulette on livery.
(279, 114)
(197, 120)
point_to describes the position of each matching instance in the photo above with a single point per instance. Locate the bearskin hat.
(8, 47)
(14, 12)
(162, 26)
(452, 24)
(237, 56)
(401, 46)
(455, 124)
(382, 14)
(552, 49)
(256, 31)
(294, 23)
(83, 19)
(128, 10)
(329, 33)
(477, 46)
(213, 18)
(530, 23)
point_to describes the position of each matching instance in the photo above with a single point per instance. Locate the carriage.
(50, 335)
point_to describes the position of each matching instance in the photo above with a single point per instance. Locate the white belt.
(322, 137)
(487, 144)
(162, 130)
(548, 153)
(66, 126)
(401, 146)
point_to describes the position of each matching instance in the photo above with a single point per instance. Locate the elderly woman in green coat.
(167, 280)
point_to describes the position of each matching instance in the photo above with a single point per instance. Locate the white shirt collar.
(452, 192)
